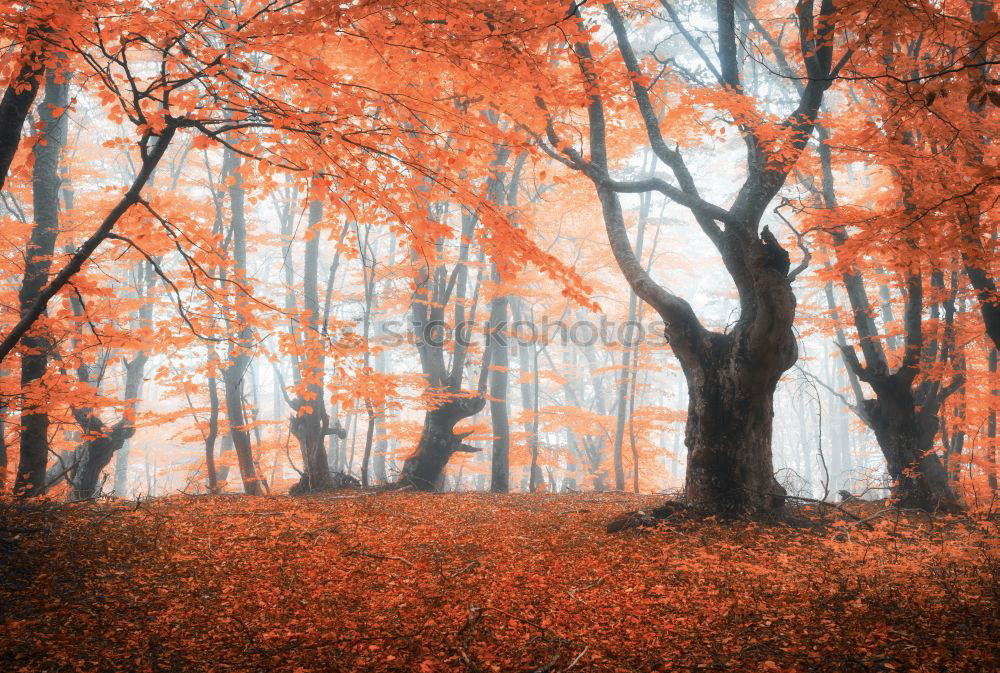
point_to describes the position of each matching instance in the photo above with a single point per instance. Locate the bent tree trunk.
(310, 430)
(903, 416)
(232, 377)
(102, 442)
(435, 288)
(438, 442)
(95, 455)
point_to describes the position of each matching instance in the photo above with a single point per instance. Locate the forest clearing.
(484, 582)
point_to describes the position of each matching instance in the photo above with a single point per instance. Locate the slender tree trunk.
(213, 424)
(41, 247)
(991, 427)
(3, 444)
(238, 367)
(311, 422)
(595, 445)
(535, 476)
(369, 439)
(368, 274)
(378, 459)
(625, 377)
(499, 418)
(621, 416)
(121, 470)
(527, 355)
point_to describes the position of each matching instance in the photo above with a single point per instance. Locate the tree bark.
(239, 356)
(34, 438)
(14, 109)
(310, 423)
(102, 442)
(499, 417)
(438, 442)
(213, 423)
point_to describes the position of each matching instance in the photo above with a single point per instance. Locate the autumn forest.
(453, 335)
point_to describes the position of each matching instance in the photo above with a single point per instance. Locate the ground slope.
(479, 583)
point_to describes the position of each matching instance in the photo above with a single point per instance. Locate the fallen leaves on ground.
(484, 583)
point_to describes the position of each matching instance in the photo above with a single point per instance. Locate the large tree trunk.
(34, 448)
(728, 432)
(731, 378)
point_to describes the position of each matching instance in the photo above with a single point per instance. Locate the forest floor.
(483, 583)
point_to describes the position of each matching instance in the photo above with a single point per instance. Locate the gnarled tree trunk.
(436, 287)
(903, 415)
(732, 376)
(438, 442)
(728, 432)
(905, 431)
